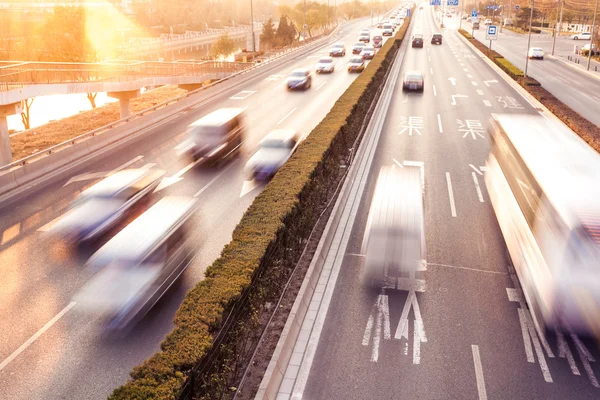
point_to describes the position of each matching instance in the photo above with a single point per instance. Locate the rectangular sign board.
(491, 33)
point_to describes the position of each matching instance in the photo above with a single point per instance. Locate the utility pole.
(529, 40)
(559, 25)
(335, 11)
(252, 22)
(327, 15)
(462, 11)
(304, 26)
(592, 38)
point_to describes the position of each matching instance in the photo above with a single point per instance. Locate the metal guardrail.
(84, 136)
(21, 74)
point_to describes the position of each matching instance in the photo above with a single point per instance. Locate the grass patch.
(268, 238)
(53, 133)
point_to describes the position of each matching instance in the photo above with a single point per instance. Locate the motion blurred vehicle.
(337, 50)
(388, 30)
(364, 37)
(420, 7)
(544, 187)
(325, 64)
(582, 36)
(139, 264)
(417, 40)
(380, 25)
(436, 38)
(536, 52)
(377, 41)
(356, 64)
(299, 79)
(394, 241)
(413, 80)
(103, 206)
(217, 135)
(364, 31)
(487, 22)
(476, 25)
(368, 53)
(586, 48)
(274, 150)
(358, 47)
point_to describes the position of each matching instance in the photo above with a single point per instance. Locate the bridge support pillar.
(124, 98)
(5, 111)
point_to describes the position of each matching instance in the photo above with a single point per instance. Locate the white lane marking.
(461, 64)
(469, 76)
(525, 333)
(431, 70)
(480, 92)
(479, 373)
(475, 169)
(213, 180)
(244, 94)
(451, 194)
(382, 310)
(487, 103)
(455, 96)
(36, 336)
(586, 357)
(596, 97)
(465, 69)
(286, 115)
(487, 83)
(440, 123)
(434, 91)
(476, 181)
(428, 49)
(322, 84)
(429, 58)
(565, 352)
(563, 79)
(397, 163)
(474, 83)
(452, 81)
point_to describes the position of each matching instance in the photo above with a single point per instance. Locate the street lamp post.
(327, 15)
(528, 40)
(462, 10)
(558, 26)
(304, 26)
(592, 38)
(252, 23)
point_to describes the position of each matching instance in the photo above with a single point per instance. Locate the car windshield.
(416, 37)
(413, 77)
(338, 46)
(325, 61)
(437, 35)
(274, 144)
(368, 49)
(356, 61)
(536, 49)
(298, 74)
(359, 45)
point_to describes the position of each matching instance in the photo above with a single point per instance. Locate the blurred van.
(139, 264)
(394, 241)
(217, 135)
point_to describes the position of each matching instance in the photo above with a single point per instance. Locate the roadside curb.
(575, 67)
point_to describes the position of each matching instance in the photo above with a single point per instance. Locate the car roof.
(218, 117)
(116, 182)
(302, 70)
(280, 135)
(356, 59)
(326, 58)
(414, 73)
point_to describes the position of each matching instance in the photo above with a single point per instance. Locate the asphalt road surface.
(49, 350)
(461, 337)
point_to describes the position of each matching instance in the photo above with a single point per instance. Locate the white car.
(368, 53)
(487, 22)
(325, 64)
(582, 36)
(536, 52)
(274, 150)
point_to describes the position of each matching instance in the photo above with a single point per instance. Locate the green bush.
(465, 34)
(279, 215)
(509, 68)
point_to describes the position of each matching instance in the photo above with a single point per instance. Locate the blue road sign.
(436, 2)
(516, 7)
(408, 12)
(452, 2)
(492, 7)
(491, 30)
(474, 13)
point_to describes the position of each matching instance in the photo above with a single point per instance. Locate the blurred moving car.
(217, 135)
(487, 22)
(139, 264)
(413, 80)
(377, 41)
(101, 207)
(273, 151)
(356, 64)
(299, 79)
(476, 25)
(358, 47)
(364, 37)
(394, 241)
(585, 50)
(417, 40)
(536, 52)
(325, 64)
(364, 31)
(388, 30)
(420, 7)
(436, 38)
(582, 36)
(368, 53)
(337, 50)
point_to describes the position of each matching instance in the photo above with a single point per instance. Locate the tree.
(26, 113)
(523, 16)
(223, 47)
(92, 98)
(268, 33)
(286, 33)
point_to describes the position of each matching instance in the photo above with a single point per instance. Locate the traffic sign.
(492, 7)
(492, 33)
(408, 12)
(436, 2)
(516, 7)
(474, 13)
(452, 2)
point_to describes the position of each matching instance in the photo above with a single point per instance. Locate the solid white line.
(450, 194)
(397, 163)
(36, 336)
(596, 97)
(434, 91)
(368, 329)
(487, 103)
(287, 115)
(440, 123)
(479, 373)
(127, 164)
(213, 180)
(477, 187)
(431, 70)
(480, 92)
(429, 58)
(475, 169)
(322, 84)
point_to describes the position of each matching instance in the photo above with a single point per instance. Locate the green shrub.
(509, 68)
(277, 219)
(465, 34)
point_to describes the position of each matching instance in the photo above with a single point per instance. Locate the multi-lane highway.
(461, 331)
(575, 87)
(50, 350)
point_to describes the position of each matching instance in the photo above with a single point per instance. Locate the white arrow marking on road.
(475, 169)
(453, 81)
(96, 175)
(586, 357)
(170, 180)
(455, 96)
(248, 186)
(565, 352)
(381, 318)
(487, 83)
(418, 331)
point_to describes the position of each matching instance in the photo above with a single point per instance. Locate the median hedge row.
(587, 130)
(277, 216)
